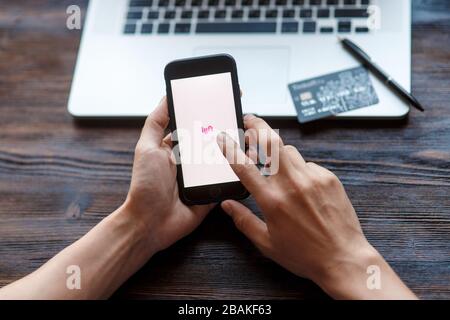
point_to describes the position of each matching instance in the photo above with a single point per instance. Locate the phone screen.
(204, 106)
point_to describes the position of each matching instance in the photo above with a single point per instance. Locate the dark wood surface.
(59, 178)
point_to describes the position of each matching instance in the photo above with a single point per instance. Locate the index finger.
(242, 166)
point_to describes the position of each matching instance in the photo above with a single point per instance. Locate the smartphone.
(204, 99)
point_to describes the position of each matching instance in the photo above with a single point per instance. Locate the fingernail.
(226, 207)
(249, 116)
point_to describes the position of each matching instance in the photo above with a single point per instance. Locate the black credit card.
(332, 94)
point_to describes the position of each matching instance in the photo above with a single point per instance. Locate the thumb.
(247, 222)
(155, 125)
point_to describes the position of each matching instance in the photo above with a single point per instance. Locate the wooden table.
(58, 178)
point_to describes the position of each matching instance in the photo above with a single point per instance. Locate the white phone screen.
(204, 106)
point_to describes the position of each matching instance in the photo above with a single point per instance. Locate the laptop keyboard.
(147, 17)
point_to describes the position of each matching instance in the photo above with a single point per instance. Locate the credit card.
(332, 94)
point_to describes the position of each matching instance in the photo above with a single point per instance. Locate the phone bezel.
(201, 66)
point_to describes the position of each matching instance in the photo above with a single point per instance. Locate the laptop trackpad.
(262, 71)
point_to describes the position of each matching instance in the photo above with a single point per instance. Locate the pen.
(365, 59)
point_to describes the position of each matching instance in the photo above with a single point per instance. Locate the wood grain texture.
(58, 178)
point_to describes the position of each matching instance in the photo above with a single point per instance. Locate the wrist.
(131, 222)
(346, 277)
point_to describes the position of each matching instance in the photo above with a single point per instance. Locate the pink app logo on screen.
(208, 129)
(204, 106)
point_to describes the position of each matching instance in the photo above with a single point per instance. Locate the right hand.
(310, 226)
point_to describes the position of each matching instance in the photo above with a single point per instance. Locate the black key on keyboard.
(230, 3)
(169, 14)
(309, 27)
(315, 2)
(349, 2)
(323, 13)
(289, 27)
(237, 27)
(254, 14)
(182, 28)
(129, 28)
(332, 2)
(264, 2)
(163, 28)
(351, 13)
(163, 3)
(246, 3)
(365, 2)
(153, 15)
(147, 28)
(306, 13)
(288, 13)
(186, 14)
(280, 2)
(203, 14)
(141, 3)
(220, 14)
(273, 13)
(298, 2)
(237, 14)
(213, 3)
(361, 29)
(344, 26)
(134, 15)
(180, 3)
(196, 3)
(326, 30)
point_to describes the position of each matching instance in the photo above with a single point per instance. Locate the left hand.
(153, 196)
(151, 219)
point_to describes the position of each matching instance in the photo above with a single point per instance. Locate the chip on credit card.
(332, 94)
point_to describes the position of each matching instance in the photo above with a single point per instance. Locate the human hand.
(153, 198)
(310, 226)
(151, 219)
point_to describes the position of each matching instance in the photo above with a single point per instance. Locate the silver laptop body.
(127, 43)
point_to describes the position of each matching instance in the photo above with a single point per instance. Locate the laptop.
(127, 43)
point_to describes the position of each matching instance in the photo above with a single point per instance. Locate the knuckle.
(330, 179)
(253, 121)
(306, 185)
(302, 187)
(315, 179)
(312, 165)
(276, 201)
(243, 168)
(275, 139)
(321, 176)
(289, 147)
(299, 187)
(152, 122)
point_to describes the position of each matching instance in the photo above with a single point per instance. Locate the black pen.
(364, 58)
